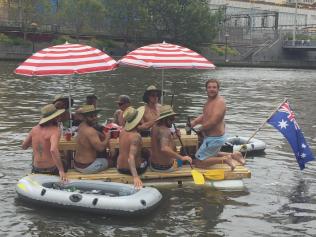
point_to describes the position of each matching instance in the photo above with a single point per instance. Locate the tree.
(80, 15)
(127, 18)
(190, 22)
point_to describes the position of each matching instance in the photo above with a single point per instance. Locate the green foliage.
(220, 50)
(13, 41)
(4, 39)
(301, 37)
(80, 15)
(190, 22)
(63, 39)
(105, 45)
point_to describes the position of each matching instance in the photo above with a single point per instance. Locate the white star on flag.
(283, 124)
(303, 146)
(303, 155)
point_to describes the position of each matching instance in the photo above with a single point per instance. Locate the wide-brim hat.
(50, 112)
(63, 98)
(148, 91)
(132, 117)
(166, 111)
(88, 109)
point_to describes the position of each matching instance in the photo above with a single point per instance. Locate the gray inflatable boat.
(88, 195)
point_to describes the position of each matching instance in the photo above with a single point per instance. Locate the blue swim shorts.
(210, 147)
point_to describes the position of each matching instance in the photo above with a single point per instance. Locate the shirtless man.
(89, 143)
(129, 160)
(163, 146)
(151, 97)
(123, 102)
(213, 130)
(44, 139)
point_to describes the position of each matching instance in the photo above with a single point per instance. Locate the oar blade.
(198, 177)
(214, 174)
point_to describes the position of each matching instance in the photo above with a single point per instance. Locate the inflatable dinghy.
(88, 195)
(241, 144)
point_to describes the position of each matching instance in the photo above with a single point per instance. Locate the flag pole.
(265, 121)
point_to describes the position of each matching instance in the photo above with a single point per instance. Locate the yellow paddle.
(198, 177)
(214, 174)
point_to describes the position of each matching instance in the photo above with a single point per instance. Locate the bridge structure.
(299, 45)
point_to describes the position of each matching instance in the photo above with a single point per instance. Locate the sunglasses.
(120, 103)
(154, 94)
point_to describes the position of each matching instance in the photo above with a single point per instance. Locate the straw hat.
(148, 91)
(132, 117)
(166, 111)
(50, 112)
(88, 109)
(63, 98)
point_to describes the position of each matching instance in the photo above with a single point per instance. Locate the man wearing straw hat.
(152, 98)
(89, 143)
(44, 139)
(164, 155)
(213, 129)
(129, 160)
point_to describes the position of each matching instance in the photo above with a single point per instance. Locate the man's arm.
(197, 120)
(134, 147)
(212, 120)
(28, 141)
(54, 140)
(164, 139)
(146, 125)
(95, 141)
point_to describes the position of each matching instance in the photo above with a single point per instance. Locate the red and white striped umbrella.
(166, 56)
(66, 59)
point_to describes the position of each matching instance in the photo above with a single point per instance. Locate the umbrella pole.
(69, 101)
(162, 78)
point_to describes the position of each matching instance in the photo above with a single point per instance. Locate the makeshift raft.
(233, 180)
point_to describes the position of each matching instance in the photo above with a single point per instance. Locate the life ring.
(242, 144)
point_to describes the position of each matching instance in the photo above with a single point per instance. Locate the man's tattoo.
(40, 150)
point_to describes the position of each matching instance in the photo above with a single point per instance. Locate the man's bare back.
(88, 143)
(126, 139)
(44, 140)
(161, 135)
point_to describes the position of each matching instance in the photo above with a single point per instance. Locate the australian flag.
(284, 120)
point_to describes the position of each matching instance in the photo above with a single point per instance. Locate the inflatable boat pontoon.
(243, 145)
(88, 195)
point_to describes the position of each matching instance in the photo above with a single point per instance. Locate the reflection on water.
(279, 201)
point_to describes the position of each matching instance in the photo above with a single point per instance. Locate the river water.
(280, 200)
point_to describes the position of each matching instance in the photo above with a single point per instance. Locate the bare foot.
(229, 161)
(238, 157)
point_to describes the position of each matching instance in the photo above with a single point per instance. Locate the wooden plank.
(188, 140)
(183, 173)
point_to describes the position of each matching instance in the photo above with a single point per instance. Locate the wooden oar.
(198, 178)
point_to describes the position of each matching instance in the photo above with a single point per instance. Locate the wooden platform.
(182, 174)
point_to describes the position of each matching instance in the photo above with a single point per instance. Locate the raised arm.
(134, 147)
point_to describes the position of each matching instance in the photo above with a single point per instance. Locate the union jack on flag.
(285, 107)
(284, 120)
